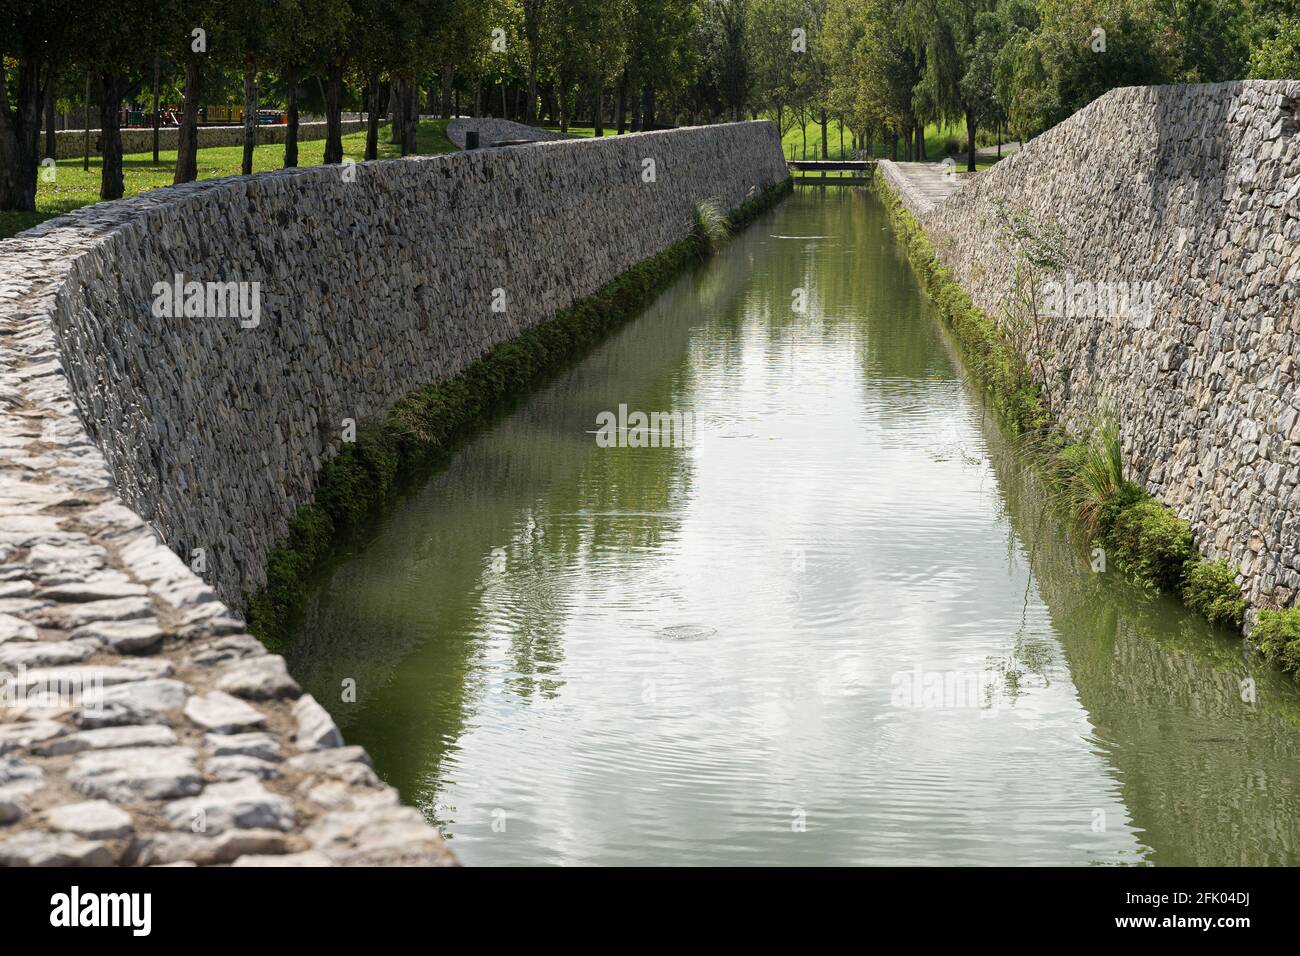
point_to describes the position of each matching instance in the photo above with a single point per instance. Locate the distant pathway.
(921, 185)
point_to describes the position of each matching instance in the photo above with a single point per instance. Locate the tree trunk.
(20, 137)
(531, 115)
(110, 135)
(894, 145)
(970, 140)
(395, 111)
(599, 110)
(622, 104)
(648, 112)
(825, 145)
(448, 80)
(291, 108)
(410, 116)
(333, 113)
(51, 141)
(187, 139)
(250, 118)
(157, 79)
(372, 118)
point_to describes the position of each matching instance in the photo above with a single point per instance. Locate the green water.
(566, 653)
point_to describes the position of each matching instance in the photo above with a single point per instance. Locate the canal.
(839, 626)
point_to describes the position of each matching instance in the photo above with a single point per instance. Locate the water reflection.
(567, 653)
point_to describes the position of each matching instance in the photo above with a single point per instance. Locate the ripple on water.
(682, 633)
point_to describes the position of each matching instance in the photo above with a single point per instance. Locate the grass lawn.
(935, 137)
(74, 187)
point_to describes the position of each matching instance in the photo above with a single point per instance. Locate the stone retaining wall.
(71, 143)
(168, 734)
(1196, 191)
(494, 130)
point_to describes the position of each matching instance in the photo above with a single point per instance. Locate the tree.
(724, 41)
(534, 12)
(302, 34)
(773, 57)
(34, 36)
(120, 64)
(1277, 55)
(663, 57)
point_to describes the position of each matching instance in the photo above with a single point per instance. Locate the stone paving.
(139, 723)
(921, 186)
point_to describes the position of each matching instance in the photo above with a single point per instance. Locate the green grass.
(710, 227)
(74, 187)
(428, 423)
(936, 137)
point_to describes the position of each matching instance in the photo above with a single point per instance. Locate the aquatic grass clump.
(1211, 589)
(1277, 634)
(428, 422)
(1089, 477)
(710, 227)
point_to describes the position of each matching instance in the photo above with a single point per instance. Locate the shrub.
(1153, 544)
(1089, 476)
(1278, 635)
(1211, 589)
(709, 227)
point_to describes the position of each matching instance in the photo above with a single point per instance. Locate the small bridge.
(862, 167)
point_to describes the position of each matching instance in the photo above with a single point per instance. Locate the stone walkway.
(921, 186)
(139, 723)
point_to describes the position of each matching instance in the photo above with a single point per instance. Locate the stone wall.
(368, 288)
(71, 143)
(139, 723)
(1196, 191)
(493, 130)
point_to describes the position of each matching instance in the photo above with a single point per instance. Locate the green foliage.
(709, 227)
(1211, 589)
(1153, 544)
(426, 424)
(1277, 55)
(1277, 634)
(1089, 476)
